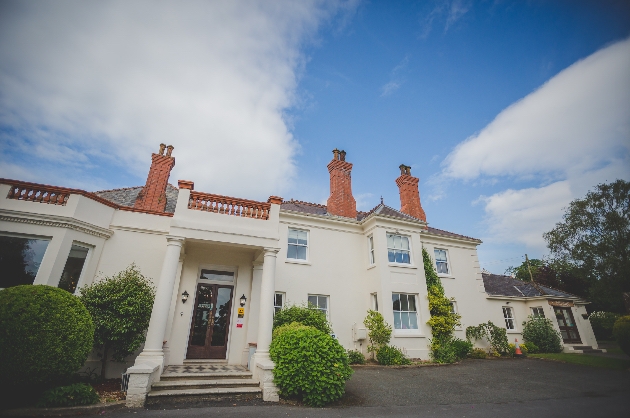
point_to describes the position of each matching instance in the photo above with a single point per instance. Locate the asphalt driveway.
(473, 388)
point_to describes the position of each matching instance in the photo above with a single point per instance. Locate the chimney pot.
(169, 150)
(162, 146)
(335, 154)
(342, 155)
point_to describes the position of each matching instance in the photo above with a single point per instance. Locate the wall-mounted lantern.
(184, 296)
(243, 300)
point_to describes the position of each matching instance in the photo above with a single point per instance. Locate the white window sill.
(405, 266)
(371, 266)
(512, 331)
(414, 334)
(296, 261)
(445, 276)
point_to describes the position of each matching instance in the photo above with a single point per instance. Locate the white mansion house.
(209, 255)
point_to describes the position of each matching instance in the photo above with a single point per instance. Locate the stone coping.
(95, 409)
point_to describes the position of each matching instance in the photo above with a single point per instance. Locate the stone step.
(204, 361)
(591, 350)
(206, 376)
(202, 384)
(217, 392)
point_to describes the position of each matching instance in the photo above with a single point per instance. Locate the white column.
(263, 366)
(171, 313)
(267, 290)
(159, 315)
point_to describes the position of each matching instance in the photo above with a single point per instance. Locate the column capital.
(272, 251)
(175, 240)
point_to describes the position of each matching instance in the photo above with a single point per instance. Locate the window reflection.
(20, 259)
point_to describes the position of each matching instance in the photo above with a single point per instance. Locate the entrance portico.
(206, 260)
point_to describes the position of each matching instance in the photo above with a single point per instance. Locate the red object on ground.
(518, 353)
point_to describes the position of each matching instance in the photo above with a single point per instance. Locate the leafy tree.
(522, 272)
(121, 308)
(594, 237)
(553, 273)
(379, 331)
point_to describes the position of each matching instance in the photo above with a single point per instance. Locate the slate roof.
(128, 196)
(499, 285)
(380, 209)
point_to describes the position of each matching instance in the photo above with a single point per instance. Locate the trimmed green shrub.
(530, 347)
(121, 308)
(310, 365)
(46, 335)
(478, 353)
(450, 350)
(389, 355)
(621, 332)
(304, 315)
(462, 347)
(72, 395)
(356, 357)
(603, 323)
(287, 327)
(541, 332)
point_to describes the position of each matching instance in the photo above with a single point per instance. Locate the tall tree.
(120, 307)
(594, 237)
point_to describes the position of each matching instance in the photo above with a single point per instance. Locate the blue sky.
(506, 110)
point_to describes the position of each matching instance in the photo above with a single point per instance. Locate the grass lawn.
(587, 360)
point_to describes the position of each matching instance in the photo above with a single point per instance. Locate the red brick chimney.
(341, 202)
(409, 194)
(153, 194)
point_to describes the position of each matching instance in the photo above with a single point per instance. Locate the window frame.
(327, 297)
(409, 251)
(46, 238)
(371, 253)
(283, 296)
(374, 301)
(534, 314)
(509, 318)
(406, 330)
(308, 238)
(86, 262)
(446, 263)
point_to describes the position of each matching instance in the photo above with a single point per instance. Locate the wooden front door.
(211, 322)
(567, 326)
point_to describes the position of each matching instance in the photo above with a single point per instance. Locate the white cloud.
(396, 79)
(448, 10)
(567, 136)
(83, 82)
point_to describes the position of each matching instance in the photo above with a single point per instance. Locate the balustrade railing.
(40, 194)
(228, 205)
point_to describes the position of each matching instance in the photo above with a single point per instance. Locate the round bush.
(356, 357)
(46, 335)
(303, 315)
(602, 323)
(310, 365)
(389, 355)
(621, 332)
(541, 332)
